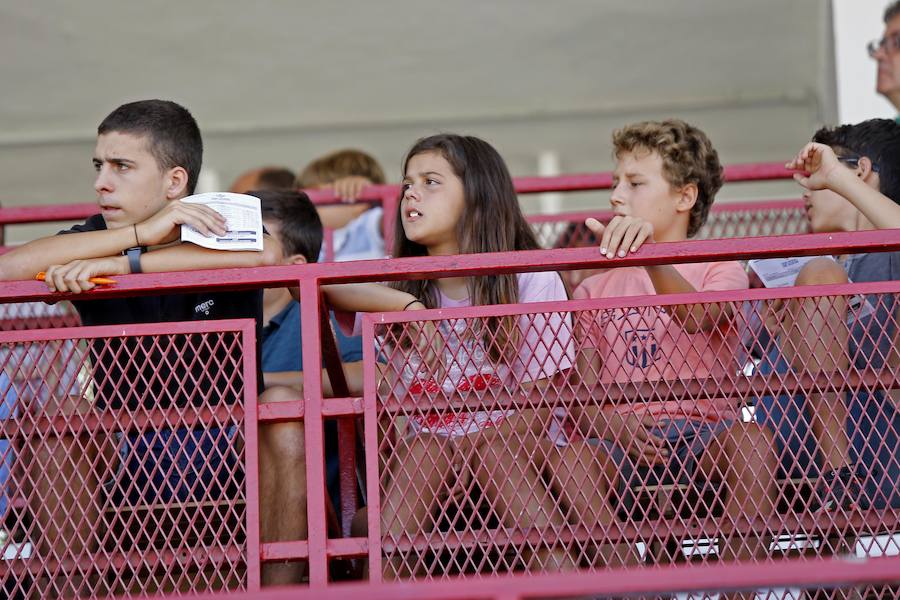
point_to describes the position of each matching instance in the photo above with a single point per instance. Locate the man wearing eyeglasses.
(887, 52)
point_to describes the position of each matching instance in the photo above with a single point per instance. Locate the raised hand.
(819, 161)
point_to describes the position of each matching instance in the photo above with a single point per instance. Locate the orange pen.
(98, 280)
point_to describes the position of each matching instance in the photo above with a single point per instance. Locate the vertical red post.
(346, 426)
(370, 412)
(251, 455)
(315, 442)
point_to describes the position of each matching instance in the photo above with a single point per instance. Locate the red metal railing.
(562, 230)
(105, 488)
(843, 577)
(378, 407)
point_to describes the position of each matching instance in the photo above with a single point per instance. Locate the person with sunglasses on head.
(850, 440)
(886, 51)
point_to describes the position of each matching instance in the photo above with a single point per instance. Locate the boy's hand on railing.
(633, 434)
(165, 226)
(820, 162)
(349, 189)
(621, 235)
(75, 277)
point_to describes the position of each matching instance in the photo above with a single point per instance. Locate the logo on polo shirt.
(204, 307)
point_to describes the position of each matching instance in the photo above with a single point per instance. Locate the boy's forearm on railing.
(26, 261)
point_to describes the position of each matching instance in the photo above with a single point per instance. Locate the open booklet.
(243, 220)
(782, 272)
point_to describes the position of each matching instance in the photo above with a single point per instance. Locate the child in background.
(358, 227)
(458, 198)
(665, 180)
(263, 178)
(853, 442)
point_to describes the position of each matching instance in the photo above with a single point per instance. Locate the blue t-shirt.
(281, 342)
(7, 410)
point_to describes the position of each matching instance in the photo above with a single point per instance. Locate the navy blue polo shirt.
(281, 342)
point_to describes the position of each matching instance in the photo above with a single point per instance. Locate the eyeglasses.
(853, 161)
(889, 43)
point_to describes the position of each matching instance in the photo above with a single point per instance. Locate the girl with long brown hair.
(458, 198)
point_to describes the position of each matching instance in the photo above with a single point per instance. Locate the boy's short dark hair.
(877, 139)
(343, 163)
(300, 229)
(891, 11)
(687, 156)
(173, 134)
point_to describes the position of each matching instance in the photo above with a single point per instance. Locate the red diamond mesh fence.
(123, 460)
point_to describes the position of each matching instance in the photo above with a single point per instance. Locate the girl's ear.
(687, 198)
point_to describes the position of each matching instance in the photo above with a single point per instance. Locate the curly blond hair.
(687, 157)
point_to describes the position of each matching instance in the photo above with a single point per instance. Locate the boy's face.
(274, 230)
(130, 185)
(641, 190)
(828, 211)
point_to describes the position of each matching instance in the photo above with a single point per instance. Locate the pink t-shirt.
(643, 343)
(545, 347)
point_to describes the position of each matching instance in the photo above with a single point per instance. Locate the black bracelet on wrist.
(411, 302)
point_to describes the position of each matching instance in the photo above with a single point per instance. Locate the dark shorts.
(873, 429)
(687, 441)
(180, 465)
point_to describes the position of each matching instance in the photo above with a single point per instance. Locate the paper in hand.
(243, 221)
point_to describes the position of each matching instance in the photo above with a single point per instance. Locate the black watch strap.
(134, 259)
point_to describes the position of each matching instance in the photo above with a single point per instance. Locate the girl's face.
(432, 204)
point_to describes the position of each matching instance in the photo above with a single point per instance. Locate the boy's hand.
(349, 188)
(621, 235)
(75, 276)
(632, 433)
(165, 226)
(820, 162)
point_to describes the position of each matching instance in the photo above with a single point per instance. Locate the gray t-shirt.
(872, 336)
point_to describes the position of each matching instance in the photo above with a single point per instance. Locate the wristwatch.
(134, 258)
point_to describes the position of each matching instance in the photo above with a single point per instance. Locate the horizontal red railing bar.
(428, 267)
(616, 302)
(280, 551)
(755, 206)
(49, 322)
(822, 524)
(105, 560)
(294, 410)
(342, 407)
(299, 550)
(375, 193)
(665, 580)
(117, 331)
(47, 213)
(567, 395)
(600, 181)
(115, 420)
